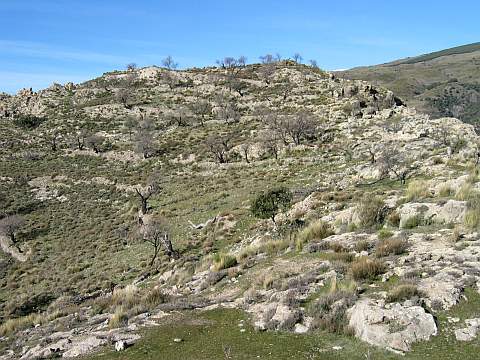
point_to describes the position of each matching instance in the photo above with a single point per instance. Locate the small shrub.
(402, 292)
(28, 122)
(371, 212)
(315, 231)
(391, 247)
(268, 204)
(367, 269)
(417, 189)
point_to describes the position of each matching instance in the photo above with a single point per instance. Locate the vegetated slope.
(380, 194)
(443, 83)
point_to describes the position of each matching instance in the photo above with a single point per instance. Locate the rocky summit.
(271, 210)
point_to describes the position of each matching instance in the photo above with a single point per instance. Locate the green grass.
(206, 335)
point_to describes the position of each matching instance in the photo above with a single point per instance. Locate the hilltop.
(371, 251)
(443, 83)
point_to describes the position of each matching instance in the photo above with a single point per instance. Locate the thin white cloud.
(40, 50)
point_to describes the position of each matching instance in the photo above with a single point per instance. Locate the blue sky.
(46, 41)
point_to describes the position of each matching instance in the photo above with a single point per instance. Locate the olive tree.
(268, 204)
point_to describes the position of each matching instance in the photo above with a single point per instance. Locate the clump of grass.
(13, 325)
(472, 219)
(329, 310)
(417, 189)
(270, 248)
(445, 191)
(366, 269)
(119, 318)
(393, 219)
(127, 297)
(384, 234)
(456, 235)
(362, 245)
(466, 192)
(413, 222)
(391, 247)
(371, 212)
(473, 175)
(223, 261)
(317, 230)
(402, 292)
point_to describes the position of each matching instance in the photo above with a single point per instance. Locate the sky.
(46, 41)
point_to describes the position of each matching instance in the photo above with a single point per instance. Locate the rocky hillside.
(444, 83)
(269, 210)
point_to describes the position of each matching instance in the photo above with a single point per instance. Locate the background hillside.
(443, 83)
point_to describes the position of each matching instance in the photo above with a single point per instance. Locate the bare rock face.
(452, 211)
(470, 332)
(275, 316)
(392, 326)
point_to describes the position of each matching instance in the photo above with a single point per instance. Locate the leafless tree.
(300, 126)
(156, 234)
(267, 69)
(181, 116)
(393, 161)
(227, 109)
(201, 108)
(227, 62)
(269, 140)
(53, 139)
(169, 63)
(81, 136)
(95, 142)
(314, 64)
(242, 60)
(144, 143)
(245, 150)
(131, 67)
(123, 96)
(146, 193)
(169, 78)
(10, 225)
(219, 146)
(297, 58)
(130, 124)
